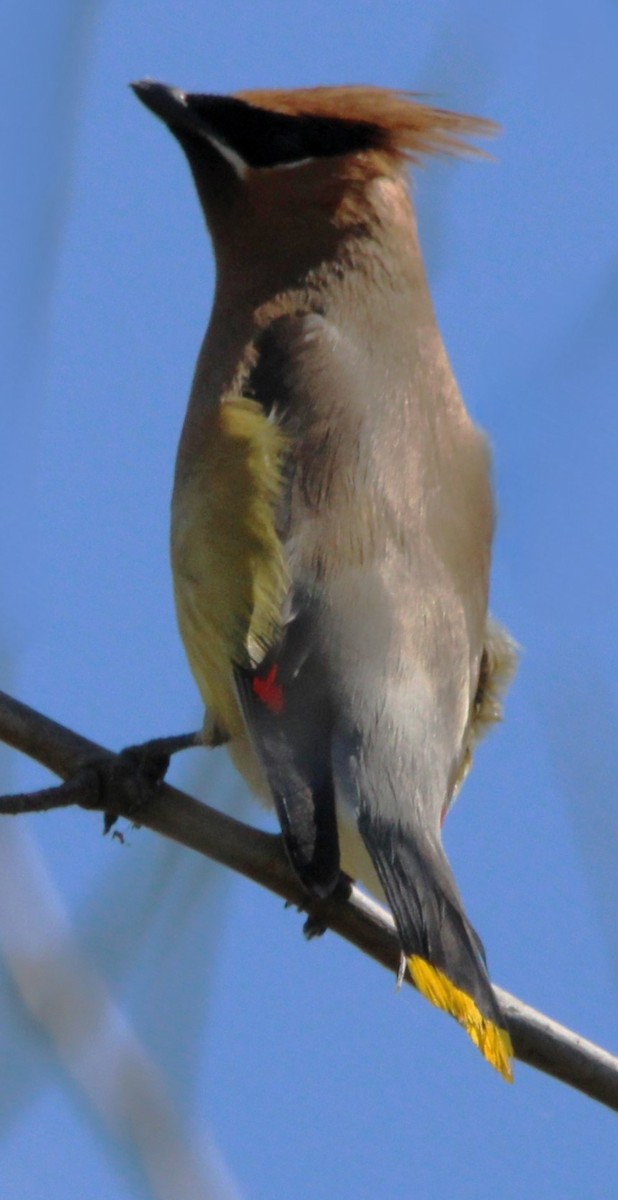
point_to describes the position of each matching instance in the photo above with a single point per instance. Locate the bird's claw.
(136, 772)
(317, 921)
(314, 926)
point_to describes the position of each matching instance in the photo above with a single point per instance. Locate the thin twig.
(46, 799)
(538, 1041)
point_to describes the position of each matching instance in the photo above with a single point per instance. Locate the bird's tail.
(444, 955)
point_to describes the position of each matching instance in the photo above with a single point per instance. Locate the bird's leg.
(152, 758)
(211, 734)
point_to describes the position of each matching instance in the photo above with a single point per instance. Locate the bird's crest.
(394, 122)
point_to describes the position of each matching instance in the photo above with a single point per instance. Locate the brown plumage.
(399, 123)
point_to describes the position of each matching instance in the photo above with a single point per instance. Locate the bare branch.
(538, 1041)
(60, 796)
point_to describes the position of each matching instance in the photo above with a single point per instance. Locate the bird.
(333, 513)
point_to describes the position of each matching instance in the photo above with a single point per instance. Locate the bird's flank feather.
(229, 569)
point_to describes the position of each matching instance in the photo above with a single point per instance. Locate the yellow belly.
(230, 574)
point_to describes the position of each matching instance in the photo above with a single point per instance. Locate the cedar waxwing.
(332, 513)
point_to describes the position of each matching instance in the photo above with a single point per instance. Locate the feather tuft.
(396, 122)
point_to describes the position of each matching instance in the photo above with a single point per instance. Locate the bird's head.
(288, 174)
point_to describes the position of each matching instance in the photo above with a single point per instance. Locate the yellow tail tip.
(493, 1042)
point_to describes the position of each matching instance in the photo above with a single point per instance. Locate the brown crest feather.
(403, 127)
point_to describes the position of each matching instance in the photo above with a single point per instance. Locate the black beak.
(170, 105)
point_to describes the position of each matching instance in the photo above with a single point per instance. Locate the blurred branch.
(538, 1041)
(114, 1078)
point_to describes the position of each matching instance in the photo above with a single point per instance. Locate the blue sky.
(300, 1062)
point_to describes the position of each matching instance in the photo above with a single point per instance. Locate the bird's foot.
(140, 769)
(319, 910)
